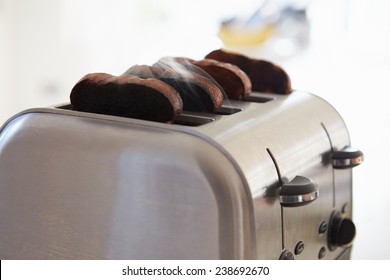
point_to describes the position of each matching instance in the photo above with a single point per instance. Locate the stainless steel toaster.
(265, 178)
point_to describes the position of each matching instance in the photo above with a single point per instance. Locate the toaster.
(268, 177)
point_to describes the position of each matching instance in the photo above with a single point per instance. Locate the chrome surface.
(292, 128)
(348, 157)
(79, 185)
(298, 199)
(348, 162)
(300, 191)
(75, 186)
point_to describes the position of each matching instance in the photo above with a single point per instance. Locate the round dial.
(342, 231)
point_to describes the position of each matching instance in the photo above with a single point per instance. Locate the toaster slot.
(186, 118)
(228, 110)
(258, 97)
(192, 120)
(197, 119)
(65, 106)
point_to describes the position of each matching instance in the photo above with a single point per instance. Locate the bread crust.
(126, 96)
(264, 75)
(197, 92)
(231, 78)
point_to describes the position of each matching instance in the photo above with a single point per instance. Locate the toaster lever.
(348, 157)
(298, 192)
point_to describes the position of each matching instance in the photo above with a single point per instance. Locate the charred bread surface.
(231, 78)
(198, 93)
(264, 75)
(126, 96)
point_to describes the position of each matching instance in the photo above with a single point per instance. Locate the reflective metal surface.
(348, 157)
(301, 131)
(295, 200)
(298, 192)
(85, 186)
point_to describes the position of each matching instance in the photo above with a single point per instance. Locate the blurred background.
(337, 49)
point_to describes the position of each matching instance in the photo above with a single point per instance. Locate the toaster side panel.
(278, 140)
(79, 187)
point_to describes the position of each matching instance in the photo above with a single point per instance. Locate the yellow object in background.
(242, 36)
(269, 31)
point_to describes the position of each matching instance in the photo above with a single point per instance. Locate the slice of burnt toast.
(235, 83)
(264, 75)
(126, 96)
(198, 93)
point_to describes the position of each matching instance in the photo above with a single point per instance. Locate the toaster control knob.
(348, 157)
(298, 192)
(342, 231)
(286, 256)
